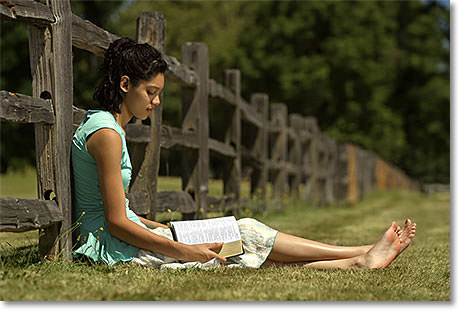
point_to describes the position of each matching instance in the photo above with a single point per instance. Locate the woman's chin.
(142, 117)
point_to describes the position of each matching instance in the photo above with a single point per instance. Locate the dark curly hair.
(125, 57)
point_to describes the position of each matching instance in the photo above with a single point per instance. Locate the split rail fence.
(262, 141)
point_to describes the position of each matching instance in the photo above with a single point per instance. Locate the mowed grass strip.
(421, 273)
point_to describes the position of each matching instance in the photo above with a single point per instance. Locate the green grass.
(19, 184)
(421, 273)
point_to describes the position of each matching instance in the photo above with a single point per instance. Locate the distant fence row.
(261, 142)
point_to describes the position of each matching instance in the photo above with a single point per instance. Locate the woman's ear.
(124, 83)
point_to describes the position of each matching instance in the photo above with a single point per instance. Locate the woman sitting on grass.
(110, 232)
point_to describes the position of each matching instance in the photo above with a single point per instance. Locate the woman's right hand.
(203, 252)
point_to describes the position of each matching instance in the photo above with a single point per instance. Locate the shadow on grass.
(18, 257)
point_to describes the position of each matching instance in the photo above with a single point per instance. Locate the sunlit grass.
(421, 273)
(19, 184)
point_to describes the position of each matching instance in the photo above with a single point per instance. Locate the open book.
(221, 229)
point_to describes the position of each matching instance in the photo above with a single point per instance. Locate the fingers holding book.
(204, 252)
(216, 248)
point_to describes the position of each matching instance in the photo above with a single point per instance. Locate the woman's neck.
(123, 118)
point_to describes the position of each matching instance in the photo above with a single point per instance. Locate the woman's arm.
(105, 146)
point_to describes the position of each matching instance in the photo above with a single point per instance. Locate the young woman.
(110, 232)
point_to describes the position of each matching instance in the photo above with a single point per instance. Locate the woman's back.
(94, 239)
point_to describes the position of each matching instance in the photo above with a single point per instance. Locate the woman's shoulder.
(97, 119)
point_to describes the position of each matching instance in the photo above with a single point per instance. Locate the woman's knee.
(248, 221)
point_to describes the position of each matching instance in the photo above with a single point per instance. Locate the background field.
(422, 273)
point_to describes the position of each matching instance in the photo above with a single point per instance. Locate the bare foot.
(384, 251)
(406, 234)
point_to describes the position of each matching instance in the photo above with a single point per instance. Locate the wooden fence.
(262, 141)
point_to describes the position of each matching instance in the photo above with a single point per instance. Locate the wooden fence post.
(295, 154)
(380, 172)
(319, 192)
(62, 97)
(341, 175)
(331, 169)
(52, 76)
(369, 174)
(233, 170)
(361, 172)
(311, 160)
(279, 152)
(259, 180)
(352, 173)
(323, 170)
(40, 53)
(151, 30)
(195, 117)
(306, 161)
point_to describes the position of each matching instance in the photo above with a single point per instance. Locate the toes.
(394, 227)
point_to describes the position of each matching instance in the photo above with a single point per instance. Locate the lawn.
(421, 273)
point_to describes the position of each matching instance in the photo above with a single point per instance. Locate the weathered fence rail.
(262, 141)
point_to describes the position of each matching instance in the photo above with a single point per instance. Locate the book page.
(223, 229)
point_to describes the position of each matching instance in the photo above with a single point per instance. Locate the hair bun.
(121, 44)
(114, 51)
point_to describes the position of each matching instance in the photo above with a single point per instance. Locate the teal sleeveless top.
(94, 240)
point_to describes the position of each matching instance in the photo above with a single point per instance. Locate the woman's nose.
(156, 101)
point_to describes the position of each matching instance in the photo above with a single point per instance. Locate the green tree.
(15, 76)
(372, 73)
(422, 88)
(375, 73)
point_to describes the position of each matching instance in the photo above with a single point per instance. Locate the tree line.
(374, 73)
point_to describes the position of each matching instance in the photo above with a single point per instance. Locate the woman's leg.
(291, 249)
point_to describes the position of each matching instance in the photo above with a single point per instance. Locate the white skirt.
(257, 240)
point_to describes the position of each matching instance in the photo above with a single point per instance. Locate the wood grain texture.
(295, 153)
(29, 11)
(176, 137)
(195, 164)
(62, 96)
(233, 168)
(19, 215)
(40, 51)
(21, 108)
(259, 178)
(279, 152)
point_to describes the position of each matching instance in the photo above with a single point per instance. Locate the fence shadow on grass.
(19, 257)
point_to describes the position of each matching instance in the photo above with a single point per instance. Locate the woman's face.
(140, 100)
